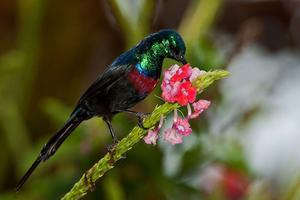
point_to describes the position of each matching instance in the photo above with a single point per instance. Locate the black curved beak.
(181, 58)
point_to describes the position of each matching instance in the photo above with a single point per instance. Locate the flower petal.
(183, 127)
(183, 72)
(186, 94)
(151, 137)
(196, 72)
(168, 74)
(199, 107)
(172, 136)
(169, 91)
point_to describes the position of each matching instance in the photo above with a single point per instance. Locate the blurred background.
(246, 146)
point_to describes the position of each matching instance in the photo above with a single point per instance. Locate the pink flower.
(186, 93)
(168, 74)
(176, 86)
(151, 137)
(182, 126)
(199, 107)
(172, 136)
(182, 73)
(196, 73)
(169, 91)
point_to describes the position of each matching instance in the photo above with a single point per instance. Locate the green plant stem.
(81, 188)
(85, 183)
(198, 19)
(133, 20)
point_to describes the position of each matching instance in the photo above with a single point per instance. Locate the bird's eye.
(174, 49)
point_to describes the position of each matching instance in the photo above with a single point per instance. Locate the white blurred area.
(262, 106)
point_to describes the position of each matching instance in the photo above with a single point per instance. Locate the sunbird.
(129, 79)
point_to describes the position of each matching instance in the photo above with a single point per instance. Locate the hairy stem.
(87, 180)
(81, 188)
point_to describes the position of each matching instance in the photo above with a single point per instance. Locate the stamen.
(175, 116)
(189, 109)
(161, 122)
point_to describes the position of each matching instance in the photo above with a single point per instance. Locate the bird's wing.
(111, 75)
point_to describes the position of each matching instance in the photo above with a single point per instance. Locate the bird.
(129, 79)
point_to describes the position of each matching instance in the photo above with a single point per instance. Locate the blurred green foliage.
(58, 48)
(141, 172)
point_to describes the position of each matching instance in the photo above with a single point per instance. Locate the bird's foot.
(88, 181)
(111, 147)
(111, 150)
(141, 116)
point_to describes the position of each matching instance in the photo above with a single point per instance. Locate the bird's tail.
(54, 143)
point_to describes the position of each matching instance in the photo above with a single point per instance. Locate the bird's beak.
(181, 59)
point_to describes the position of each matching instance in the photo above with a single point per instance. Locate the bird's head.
(166, 43)
(174, 47)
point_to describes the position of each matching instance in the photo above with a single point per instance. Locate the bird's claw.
(110, 148)
(89, 182)
(141, 116)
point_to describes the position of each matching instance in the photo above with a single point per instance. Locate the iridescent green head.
(166, 43)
